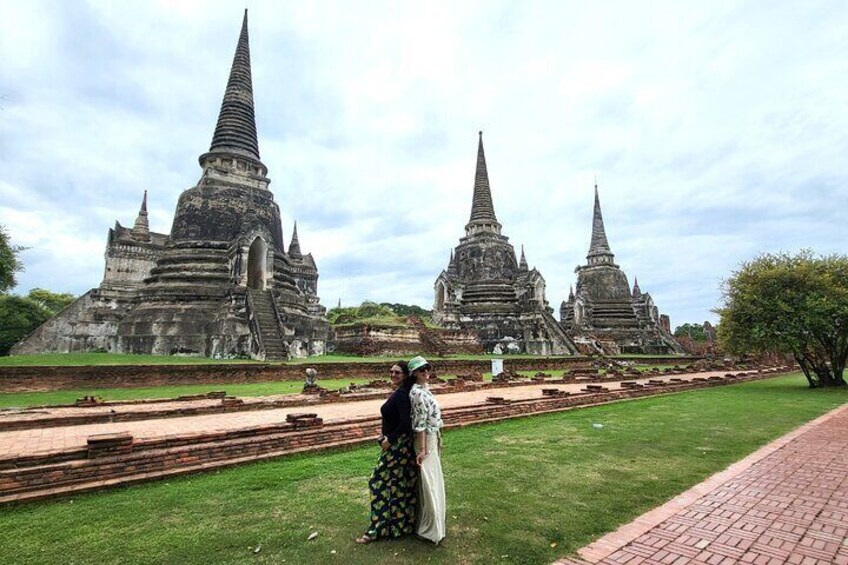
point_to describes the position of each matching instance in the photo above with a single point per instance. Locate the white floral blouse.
(426, 413)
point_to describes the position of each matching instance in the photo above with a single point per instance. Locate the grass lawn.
(72, 359)
(24, 399)
(523, 491)
(69, 359)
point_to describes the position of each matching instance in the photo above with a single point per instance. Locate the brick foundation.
(34, 379)
(115, 459)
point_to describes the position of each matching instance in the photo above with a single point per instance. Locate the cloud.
(716, 131)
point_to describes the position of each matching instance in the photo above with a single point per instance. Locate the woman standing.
(393, 484)
(427, 425)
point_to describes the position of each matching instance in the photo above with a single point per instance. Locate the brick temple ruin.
(603, 315)
(487, 289)
(221, 284)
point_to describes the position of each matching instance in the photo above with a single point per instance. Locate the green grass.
(75, 359)
(514, 489)
(385, 321)
(23, 399)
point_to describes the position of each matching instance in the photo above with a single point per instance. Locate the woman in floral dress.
(393, 484)
(427, 425)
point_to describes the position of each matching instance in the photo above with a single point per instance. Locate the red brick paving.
(786, 503)
(64, 437)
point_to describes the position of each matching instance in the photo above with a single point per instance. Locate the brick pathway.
(786, 503)
(60, 438)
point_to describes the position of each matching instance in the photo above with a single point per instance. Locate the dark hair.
(404, 367)
(408, 381)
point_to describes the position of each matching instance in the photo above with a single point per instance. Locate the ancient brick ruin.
(603, 315)
(487, 289)
(60, 461)
(221, 283)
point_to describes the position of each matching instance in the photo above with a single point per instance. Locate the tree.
(408, 310)
(9, 262)
(694, 331)
(53, 302)
(369, 310)
(794, 304)
(19, 316)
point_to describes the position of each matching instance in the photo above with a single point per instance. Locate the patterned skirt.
(394, 491)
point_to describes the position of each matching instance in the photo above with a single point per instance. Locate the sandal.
(364, 538)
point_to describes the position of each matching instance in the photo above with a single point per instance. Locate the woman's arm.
(421, 446)
(419, 425)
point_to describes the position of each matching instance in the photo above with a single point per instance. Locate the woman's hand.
(421, 457)
(385, 444)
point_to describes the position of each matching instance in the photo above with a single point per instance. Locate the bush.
(18, 318)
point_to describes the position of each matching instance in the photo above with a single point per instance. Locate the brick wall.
(31, 379)
(57, 474)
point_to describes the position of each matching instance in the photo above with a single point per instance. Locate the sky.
(716, 131)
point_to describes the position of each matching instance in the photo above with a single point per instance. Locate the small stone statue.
(310, 386)
(311, 374)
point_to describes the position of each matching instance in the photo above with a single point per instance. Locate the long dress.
(394, 482)
(427, 417)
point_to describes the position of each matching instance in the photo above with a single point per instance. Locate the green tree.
(9, 262)
(53, 302)
(408, 310)
(19, 316)
(369, 310)
(794, 304)
(695, 331)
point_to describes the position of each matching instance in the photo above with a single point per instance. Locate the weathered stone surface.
(374, 339)
(603, 315)
(486, 289)
(221, 283)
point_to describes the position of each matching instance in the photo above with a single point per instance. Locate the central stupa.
(485, 288)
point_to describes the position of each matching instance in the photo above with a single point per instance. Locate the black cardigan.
(397, 415)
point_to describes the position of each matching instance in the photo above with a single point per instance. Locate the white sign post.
(497, 367)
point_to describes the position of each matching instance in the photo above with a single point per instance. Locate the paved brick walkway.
(786, 503)
(60, 438)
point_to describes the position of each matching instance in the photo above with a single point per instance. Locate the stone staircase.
(489, 293)
(430, 340)
(614, 314)
(563, 345)
(265, 316)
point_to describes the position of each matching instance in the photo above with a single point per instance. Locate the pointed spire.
(452, 263)
(294, 245)
(482, 209)
(523, 263)
(141, 229)
(570, 293)
(599, 250)
(236, 129)
(637, 292)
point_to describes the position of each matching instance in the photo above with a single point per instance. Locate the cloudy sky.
(717, 130)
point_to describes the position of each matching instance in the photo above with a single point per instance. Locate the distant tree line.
(375, 312)
(20, 315)
(694, 331)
